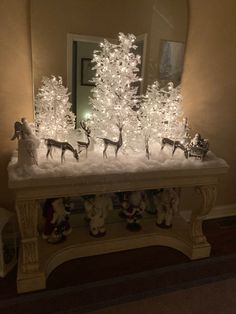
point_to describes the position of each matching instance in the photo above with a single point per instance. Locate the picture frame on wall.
(87, 72)
(171, 60)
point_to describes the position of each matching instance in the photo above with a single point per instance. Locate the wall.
(16, 81)
(209, 82)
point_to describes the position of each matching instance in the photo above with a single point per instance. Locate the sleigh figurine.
(198, 146)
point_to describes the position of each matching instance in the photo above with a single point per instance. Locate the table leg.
(208, 193)
(27, 218)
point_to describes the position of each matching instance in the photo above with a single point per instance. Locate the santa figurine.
(133, 208)
(57, 225)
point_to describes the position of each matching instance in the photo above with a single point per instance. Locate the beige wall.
(16, 80)
(209, 87)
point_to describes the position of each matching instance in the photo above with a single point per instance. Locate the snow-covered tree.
(161, 114)
(53, 116)
(172, 116)
(150, 116)
(114, 95)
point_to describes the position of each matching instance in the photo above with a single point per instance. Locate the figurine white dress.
(28, 144)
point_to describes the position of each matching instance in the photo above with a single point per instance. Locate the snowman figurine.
(96, 208)
(167, 203)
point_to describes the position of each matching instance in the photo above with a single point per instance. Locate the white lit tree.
(53, 116)
(161, 114)
(173, 123)
(114, 95)
(150, 116)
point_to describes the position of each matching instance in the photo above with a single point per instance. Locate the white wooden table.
(37, 258)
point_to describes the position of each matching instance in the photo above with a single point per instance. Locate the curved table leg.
(208, 193)
(29, 276)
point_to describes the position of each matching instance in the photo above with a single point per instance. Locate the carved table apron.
(37, 258)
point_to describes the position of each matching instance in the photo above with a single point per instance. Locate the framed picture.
(171, 60)
(87, 73)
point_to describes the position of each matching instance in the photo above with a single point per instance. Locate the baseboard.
(216, 212)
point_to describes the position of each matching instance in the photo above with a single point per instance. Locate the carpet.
(103, 295)
(212, 298)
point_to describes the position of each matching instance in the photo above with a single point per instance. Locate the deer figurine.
(64, 146)
(174, 144)
(87, 133)
(107, 142)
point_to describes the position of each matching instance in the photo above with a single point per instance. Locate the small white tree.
(172, 116)
(161, 114)
(149, 115)
(53, 116)
(114, 96)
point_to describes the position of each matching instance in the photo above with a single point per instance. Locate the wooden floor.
(221, 233)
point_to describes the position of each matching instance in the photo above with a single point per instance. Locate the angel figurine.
(28, 143)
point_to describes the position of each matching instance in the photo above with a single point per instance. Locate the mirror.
(80, 71)
(65, 32)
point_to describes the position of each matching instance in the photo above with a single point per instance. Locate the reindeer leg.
(147, 151)
(116, 151)
(48, 151)
(62, 155)
(104, 151)
(174, 149)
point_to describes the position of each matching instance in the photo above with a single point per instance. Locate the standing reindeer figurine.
(117, 144)
(64, 146)
(174, 144)
(87, 133)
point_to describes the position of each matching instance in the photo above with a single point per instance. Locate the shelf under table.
(38, 258)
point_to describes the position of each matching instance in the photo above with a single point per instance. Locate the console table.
(37, 258)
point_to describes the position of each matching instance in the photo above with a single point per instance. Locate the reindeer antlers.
(120, 125)
(85, 127)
